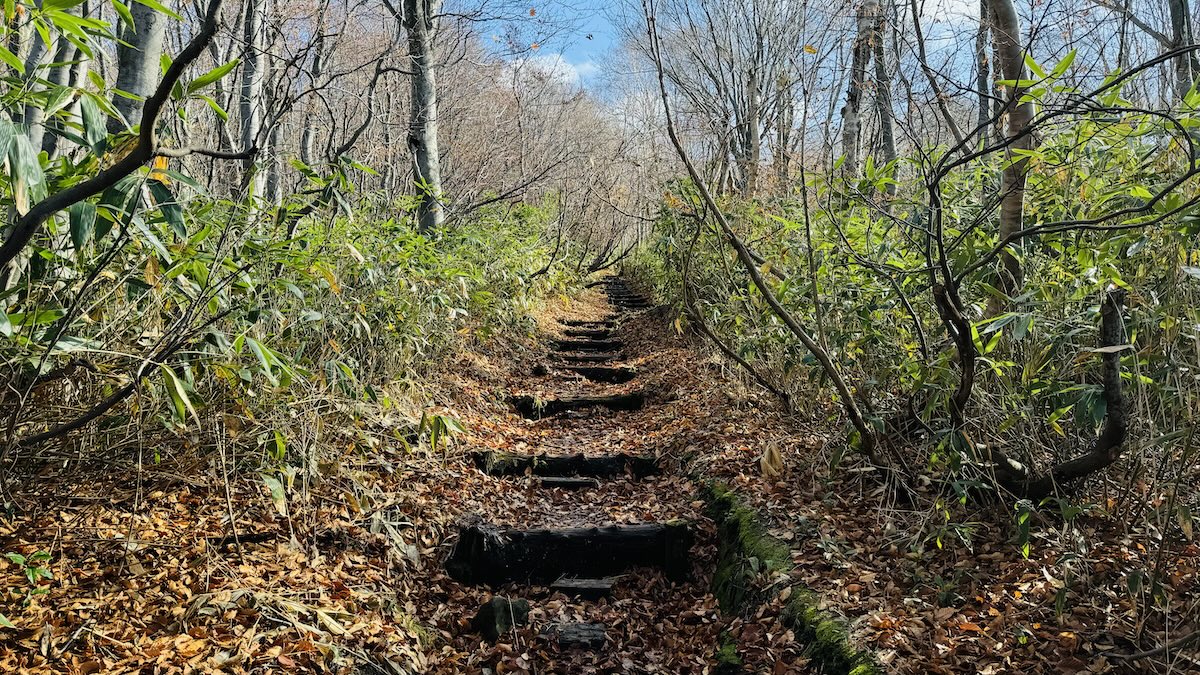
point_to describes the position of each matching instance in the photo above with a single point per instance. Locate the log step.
(589, 333)
(576, 635)
(569, 482)
(587, 345)
(589, 323)
(487, 554)
(588, 589)
(610, 375)
(532, 408)
(589, 358)
(603, 466)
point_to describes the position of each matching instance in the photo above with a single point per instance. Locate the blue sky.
(584, 48)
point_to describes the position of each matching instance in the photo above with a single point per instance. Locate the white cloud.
(557, 68)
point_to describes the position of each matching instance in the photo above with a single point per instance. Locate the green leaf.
(1062, 66)
(211, 76)
(158, 7)
(169, 206)
(12, 60)
(59, 4)
(83, 223)
(179, 397)
(5, 623)
(278, 495)
(216, 107)
(94, 126)
(1033, 68)
(264, 359)
(123, 12)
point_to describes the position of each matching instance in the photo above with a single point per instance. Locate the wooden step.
(588, 589)
(589, 333)
(576, 635)
(587, 345)
(589, 323)
(589, 358)
(487, 554)
(595, 466)
(532, 408)
(569, 482)
(607, 374)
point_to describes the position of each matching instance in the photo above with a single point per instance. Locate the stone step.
(576, 635)
(607, 374)
(532, 408)
(488, 554)
(569, 482)
(587, 345)
(595, 466)
(588, 589)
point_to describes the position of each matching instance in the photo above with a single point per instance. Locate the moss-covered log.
(744, 549)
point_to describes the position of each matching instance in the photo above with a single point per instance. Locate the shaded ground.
(344, 574)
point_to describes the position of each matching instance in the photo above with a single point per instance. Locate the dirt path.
(593, 484)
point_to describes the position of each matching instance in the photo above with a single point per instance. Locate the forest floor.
(341, 568)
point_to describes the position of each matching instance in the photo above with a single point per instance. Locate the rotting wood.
(569, 482)
(588, 589)
(589, 333)
(577, 635)
(607, 374)
(593, 466)
(587, 345)
(532, 408)
(589, 358)
(487, 554)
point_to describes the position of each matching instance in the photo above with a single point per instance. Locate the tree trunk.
(1181, 36)
(852, 111)
(1010, 62)
(983, 75)
(753, 144)
(883, 100)
(138, 63)
(420, 24)
(250, 104)
(59, 75)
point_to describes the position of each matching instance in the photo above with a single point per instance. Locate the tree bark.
(883, 99)
(420, 23)
(1011, 64)
(138, 64)
(983, 75)
(1181, 36)
(852, 111)
(250, 103)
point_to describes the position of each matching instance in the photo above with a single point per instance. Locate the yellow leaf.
(159, 171)
(809, 49)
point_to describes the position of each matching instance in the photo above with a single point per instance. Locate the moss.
(745, 550)
(728, 662)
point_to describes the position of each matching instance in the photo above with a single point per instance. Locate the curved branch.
(29, 224)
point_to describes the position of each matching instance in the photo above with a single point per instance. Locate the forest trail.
(611, 569)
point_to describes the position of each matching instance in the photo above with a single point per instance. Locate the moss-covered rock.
(745, 551)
